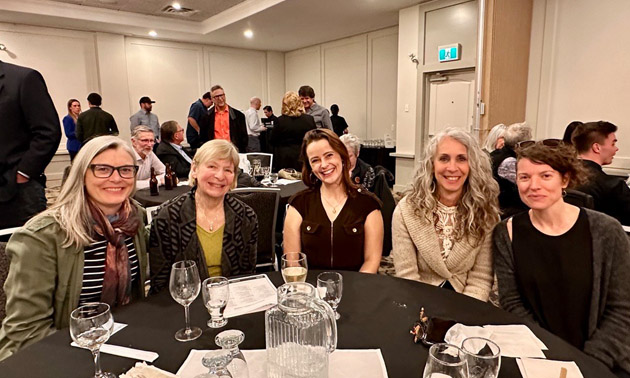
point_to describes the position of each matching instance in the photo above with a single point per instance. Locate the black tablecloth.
(376, 312)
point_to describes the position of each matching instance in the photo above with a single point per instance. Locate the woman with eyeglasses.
(563, 267)
(89, 246)
(441, 230)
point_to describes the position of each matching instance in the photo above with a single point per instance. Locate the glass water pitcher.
(300, 331)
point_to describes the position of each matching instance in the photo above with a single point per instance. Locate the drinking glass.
(90, 327)
(216, 361)
(273, 177)
(216, 293)
(483, 357)
(330, 289)
(184, 286)
(445, 361)
(294, 267)
(230, 340)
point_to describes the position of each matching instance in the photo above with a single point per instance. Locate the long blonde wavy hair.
(70, 209)
(478, 208)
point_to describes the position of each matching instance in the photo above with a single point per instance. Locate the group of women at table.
(563, 267)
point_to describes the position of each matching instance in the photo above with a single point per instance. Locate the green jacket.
(45, 280)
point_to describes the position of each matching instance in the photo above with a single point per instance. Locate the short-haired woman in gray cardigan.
(441, 231)
(561, 266)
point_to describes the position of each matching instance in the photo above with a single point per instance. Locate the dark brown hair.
(561, 158)
(306, 91)
(588, 133)
(337, 146)
(168, 130)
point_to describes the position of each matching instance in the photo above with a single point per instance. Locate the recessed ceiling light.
(248, 33)
(177, 6)
(153, 33)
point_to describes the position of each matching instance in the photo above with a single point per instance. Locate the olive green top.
(212, 246)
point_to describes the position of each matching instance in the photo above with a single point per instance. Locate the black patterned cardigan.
(174, 238)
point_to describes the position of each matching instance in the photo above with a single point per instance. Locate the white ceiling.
(280, 25)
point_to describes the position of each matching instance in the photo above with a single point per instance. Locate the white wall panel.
(382, 73)
(303, 67)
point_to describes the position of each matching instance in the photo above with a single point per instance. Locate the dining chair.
(581, 199)
(264, 202)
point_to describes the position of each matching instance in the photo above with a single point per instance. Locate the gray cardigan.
(609, 316)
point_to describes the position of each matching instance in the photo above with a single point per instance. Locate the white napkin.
(515, 340)
(537, 368)
(121, 351)
(142, 370)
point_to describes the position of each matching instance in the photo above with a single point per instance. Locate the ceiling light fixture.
(248, 33)
(153, 33)
(177, 6)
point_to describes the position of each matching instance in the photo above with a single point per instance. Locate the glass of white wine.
(184, 286)
(90, 327)
(294, 267)
(216, 292)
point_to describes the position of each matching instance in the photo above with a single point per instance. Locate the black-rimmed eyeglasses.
(105, 170)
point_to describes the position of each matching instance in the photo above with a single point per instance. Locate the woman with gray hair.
(495, 140)
(89, 246)
(360, 172)
(442, 229)
(207, 224)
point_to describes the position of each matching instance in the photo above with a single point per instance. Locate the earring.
(564, 193)
(313, 177)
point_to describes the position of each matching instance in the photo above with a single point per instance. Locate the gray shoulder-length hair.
(478, 208)
(70, 209)
(491, 140)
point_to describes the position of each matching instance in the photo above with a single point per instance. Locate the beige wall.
(357, 73)
(578, 67)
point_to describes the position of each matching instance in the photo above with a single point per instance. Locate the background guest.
(319, 113)
(197, 110)
(170, 150)
(265, 136)
(145, 117)
(360, 172)
(223, 122)
(495, 140)
(563, 267)
(69, 126)
(442, 229)
(142, 141)
(289, 131)
(339, 124)
(566, 138)
(207, 224)
(254, 125)
(89, 246)
(337, 224)
(95, 121)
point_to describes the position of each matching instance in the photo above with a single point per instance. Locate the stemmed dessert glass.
(184, 286)
(330, 289)
(216, 293)
(90, 327)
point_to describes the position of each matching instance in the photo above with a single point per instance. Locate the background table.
(376, 312)
(147, 200)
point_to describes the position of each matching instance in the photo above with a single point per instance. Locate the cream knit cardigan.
(416, 254)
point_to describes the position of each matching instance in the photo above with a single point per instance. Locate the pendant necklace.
(334, 207)
(212, 222)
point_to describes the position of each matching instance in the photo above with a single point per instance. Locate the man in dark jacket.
(95, 122)
(223, 122)
(30, 135)
(170, 150)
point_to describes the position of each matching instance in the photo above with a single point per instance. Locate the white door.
(451, 101)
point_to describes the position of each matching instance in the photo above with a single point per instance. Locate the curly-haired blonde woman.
(442, 229)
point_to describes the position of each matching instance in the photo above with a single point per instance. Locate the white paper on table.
(250, 294)
(283, 181)
(142, 370)
(364, 363)
(515, 340)
(121, 351)
(537, 368)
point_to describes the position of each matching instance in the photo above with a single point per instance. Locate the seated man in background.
(142, 141)
(170, 150)
(595, 142)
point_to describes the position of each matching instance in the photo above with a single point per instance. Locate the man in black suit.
(596, 143)
(29, 133)
(223, 122)
(170, 150)
(95, 122)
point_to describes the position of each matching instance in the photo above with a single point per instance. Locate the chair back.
(264, 202)
(384, 193)
(581, 199)
(4, 271)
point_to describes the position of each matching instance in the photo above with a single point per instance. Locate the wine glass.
(330, 289)
(445, 360)
(483, 357)
(90, 327)
(216, 293)
(184, 286)
(216, 361)
(294, 267)
(230, 340)
(273, 177)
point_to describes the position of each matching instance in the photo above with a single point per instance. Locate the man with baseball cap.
(146, 118)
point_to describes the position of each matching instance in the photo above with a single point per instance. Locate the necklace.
(334, 207)
(203, 216)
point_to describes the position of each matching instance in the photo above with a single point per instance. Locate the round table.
(147, 200)
(376, 312)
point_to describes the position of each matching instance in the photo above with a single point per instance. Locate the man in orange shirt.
(223, 122)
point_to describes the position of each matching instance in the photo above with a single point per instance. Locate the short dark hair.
(215, 87)
(566, 138)
(561, 158)
(168, 130)
(306, 91)
(334, 109)
(95, 99)
(588, 133)
(268, 108)
(207, 96)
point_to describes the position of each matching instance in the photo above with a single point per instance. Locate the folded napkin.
(142, 370)
(515, 340)
(537, 368)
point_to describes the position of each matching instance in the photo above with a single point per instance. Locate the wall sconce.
(413, 58)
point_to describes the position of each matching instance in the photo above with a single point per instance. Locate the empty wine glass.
(330, 289)
(294, 267)
(216, 361)
(230, 340)
(216, 293)
(184, 286)
(273, 177)
(445, 360)
(483, 357)
(90, 327)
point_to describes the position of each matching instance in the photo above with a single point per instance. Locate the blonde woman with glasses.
(88, 247)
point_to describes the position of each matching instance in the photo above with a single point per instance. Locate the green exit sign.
(448, 53)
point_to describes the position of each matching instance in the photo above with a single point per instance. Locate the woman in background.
(69, 125)
(361, 172)
(494, 140)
